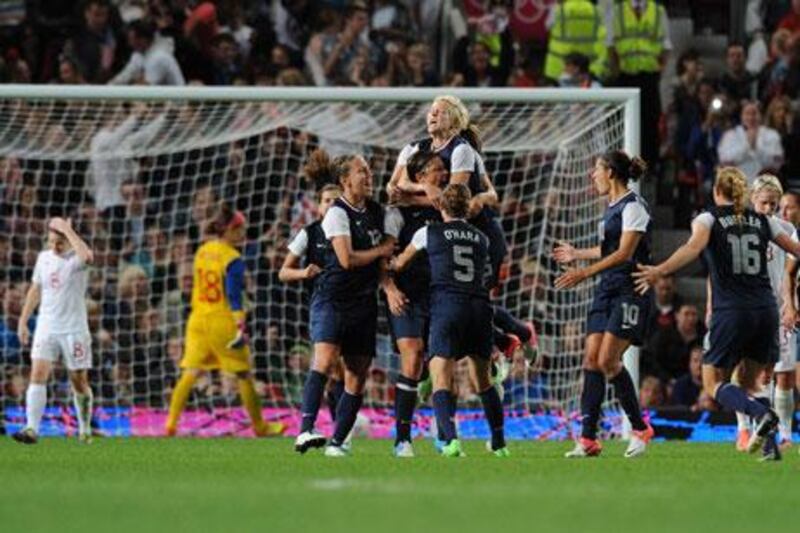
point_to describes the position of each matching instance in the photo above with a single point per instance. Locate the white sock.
(35, 402)
(784, 406)
(83, 411)
(742, 421)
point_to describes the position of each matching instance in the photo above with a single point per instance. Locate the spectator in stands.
(780, 117)
(293, 19)
(666, 303)
(750, 146)
(177, 301)
(328, 21)
(576, 73)
(651, 393)
(686, 106)
(737, 83)
(349, 58)
(420, 69)
(687, 388)
(473, 60)
(667, 351)
(68, 71)
(225, 67)
(791, 20)
(575, 27)
(10, 346)
(149, 358)
(149, 64)
(237, 26)
(96, 46)
(704, 138)
(776, 68)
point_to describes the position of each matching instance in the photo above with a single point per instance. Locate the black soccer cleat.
(25, 436)
(766, 427)
(307, 440)
(771, 450)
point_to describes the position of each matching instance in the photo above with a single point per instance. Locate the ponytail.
(732, 184)
(324, 170)
(624, 167)
(473, 136)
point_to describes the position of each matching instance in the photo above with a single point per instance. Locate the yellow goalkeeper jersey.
(208, 289)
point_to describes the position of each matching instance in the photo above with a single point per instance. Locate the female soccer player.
(58, 288)
(618, 314)
(408, 296)
(744, 322)
(457, 141)
(310, 242)
(461, 315)
(216, 332)
(344, 306)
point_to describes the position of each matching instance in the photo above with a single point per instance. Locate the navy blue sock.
(626, 394)
(334, 394)
(346, 413)
(444, 407)
(735, 399)
(505, 321)
(439, 431)
(312, 398)
(405, 400)
(493, 409)
(592, 395)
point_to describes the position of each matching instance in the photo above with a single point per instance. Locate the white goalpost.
(141, 170)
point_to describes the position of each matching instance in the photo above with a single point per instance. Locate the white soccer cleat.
(638, 443)
(336, 451)
(585, 448)
(307, 440)
(85, 438)
(404, 450)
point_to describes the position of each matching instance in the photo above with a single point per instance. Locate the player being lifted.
(456, 140)
(216, 332)
(58, 288)
(344, 306)
(310, 243)
(461, 315)
(618, 314)
(744, 323)
(408, 295)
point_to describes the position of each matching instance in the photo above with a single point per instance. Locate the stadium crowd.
(145, 222)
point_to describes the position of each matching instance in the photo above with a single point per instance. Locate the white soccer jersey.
(63, 281)
(776, 261)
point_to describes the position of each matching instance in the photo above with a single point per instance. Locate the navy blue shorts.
(413, 323)
(623, 314)
(737, 334)
(352, 326)
(460, 326)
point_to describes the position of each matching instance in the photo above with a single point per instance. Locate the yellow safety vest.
(577, 28)
(638, 41)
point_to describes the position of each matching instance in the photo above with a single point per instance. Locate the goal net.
(141, 171)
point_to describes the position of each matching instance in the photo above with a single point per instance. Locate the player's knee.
(609, 364)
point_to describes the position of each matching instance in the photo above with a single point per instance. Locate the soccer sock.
(312, 397)
(179, 397)
(405, 399)
(784, 406)
(493, 409)
(83, 411)
(444, 407)
(346, 413)
(742, 422)
(626, 394)
(251, 403)
(35, 402)
(506, 321)
(334, 395)
(735, 399)
(594, 390)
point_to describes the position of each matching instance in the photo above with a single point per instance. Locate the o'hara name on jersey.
(747, 220)
(461, 235)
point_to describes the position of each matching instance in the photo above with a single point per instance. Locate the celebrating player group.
(435, 252)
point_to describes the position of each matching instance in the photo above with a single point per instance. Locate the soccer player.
(618, 315)
(457, 141)
(744, 324)
(461, 315)
(58, 288)
(310, 243)
(765, 196)
(408, 296)
(344, 306)
(216, 332)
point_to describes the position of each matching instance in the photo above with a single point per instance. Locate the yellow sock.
(179, 396)
(252, 404)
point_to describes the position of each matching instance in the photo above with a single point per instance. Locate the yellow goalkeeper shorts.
(207, 337)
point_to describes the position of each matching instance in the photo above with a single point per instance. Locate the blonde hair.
(732, 184)
(767, 182)
(127, 279)
(458, 114)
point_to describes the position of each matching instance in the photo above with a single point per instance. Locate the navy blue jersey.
(457, 254)
(317, 244)
(629, 213)
(366, 231)
(414, 281)
(737, 258)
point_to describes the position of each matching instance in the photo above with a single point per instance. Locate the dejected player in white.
(59, 290)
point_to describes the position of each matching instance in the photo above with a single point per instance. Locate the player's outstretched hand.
(311, 271)
(564, 252)
(397, 301)
(62, 225)
(241, 338)
(570, 278)
(645, 277)
(23, 333)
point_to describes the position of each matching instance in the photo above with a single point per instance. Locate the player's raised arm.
(82, 250)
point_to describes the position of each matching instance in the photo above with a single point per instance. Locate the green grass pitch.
(149, 485)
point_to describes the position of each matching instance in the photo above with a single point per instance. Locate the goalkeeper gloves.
(241, 338)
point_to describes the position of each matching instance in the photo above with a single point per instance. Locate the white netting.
(143, 178)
